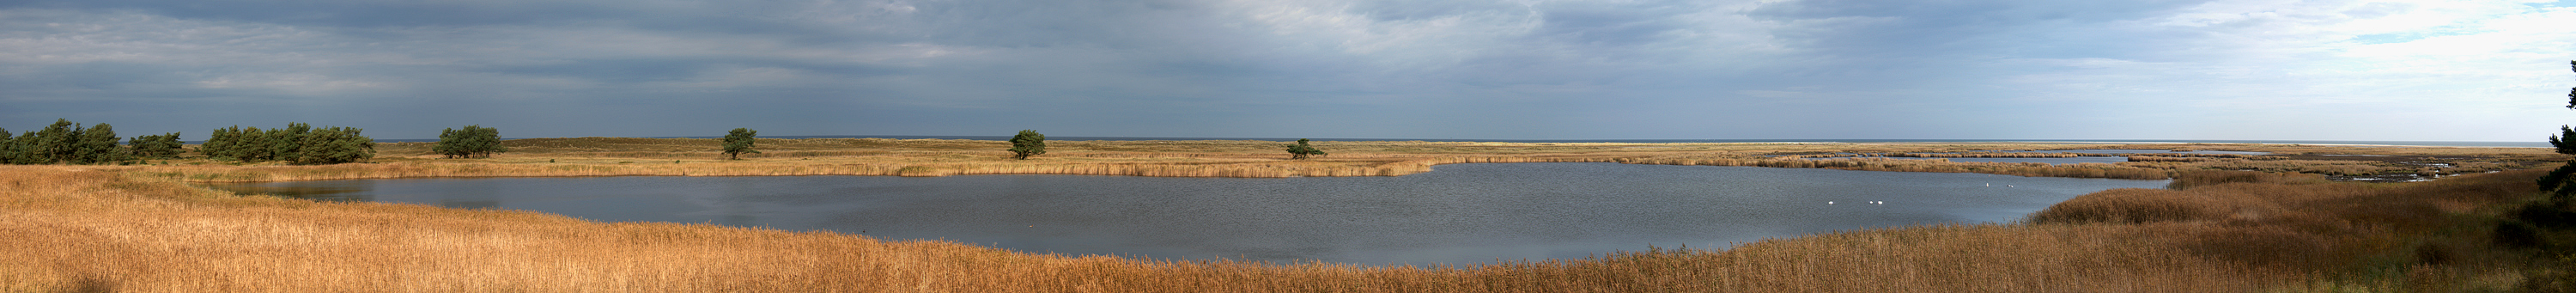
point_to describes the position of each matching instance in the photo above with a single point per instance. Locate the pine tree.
(285, 143)
(332, 145)
(738, 142)
(55, 143)
(1027, 143)
(163, 146)
(99, 145)
(250, 145)
(20, 151)
(219, 143)
(2562, 182)
(8, 147)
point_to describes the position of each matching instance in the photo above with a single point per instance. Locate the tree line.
(1031, 143)
(296, 143)
(69, 143)
(65, 142)
(299, 143)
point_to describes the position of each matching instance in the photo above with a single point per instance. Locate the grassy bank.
(938, 157)
(87, 229)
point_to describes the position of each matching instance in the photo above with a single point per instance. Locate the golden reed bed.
(140, 229)
(74, 229)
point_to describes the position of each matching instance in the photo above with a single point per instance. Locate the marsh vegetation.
(2219, 232)
(139, 228)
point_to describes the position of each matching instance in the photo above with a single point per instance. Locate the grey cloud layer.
(1398, 69)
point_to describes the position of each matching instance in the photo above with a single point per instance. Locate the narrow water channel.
(1458, 214)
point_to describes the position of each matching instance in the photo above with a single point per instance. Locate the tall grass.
(86, 230)
(2423, 237)
(135, 228)
(2087, 170)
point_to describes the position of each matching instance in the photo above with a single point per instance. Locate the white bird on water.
(1877, 202)
(1829, 202)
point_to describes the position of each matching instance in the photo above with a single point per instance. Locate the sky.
(1433, 69)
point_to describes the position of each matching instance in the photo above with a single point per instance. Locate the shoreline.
(1258, 159)
(112, 230)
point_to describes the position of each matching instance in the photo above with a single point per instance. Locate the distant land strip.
(613, 156)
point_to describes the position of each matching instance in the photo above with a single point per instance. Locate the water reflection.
(2050, 161)
(2057, 161)
(1465, 213)
(337, 190)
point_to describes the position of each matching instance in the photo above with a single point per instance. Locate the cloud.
(1392, 69)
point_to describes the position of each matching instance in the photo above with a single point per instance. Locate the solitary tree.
(1300, 150)
(739, 142)
(1028, 143)
(475, 141)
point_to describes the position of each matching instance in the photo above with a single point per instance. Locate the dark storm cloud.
(1397, 69)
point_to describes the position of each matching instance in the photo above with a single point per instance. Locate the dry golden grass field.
(143, 229)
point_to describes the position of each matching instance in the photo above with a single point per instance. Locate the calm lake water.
(2064, 161)
(1459, 214)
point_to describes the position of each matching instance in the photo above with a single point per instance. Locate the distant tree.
(21, 150)
(164, 146)
(1027, 143)
(59, 142)
(284, 144)
(739, 142)
(219, 142)
(252, 144)
(332, 145)
(475, 141)
(1300, 150)
(8, 147)
(99, 145)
